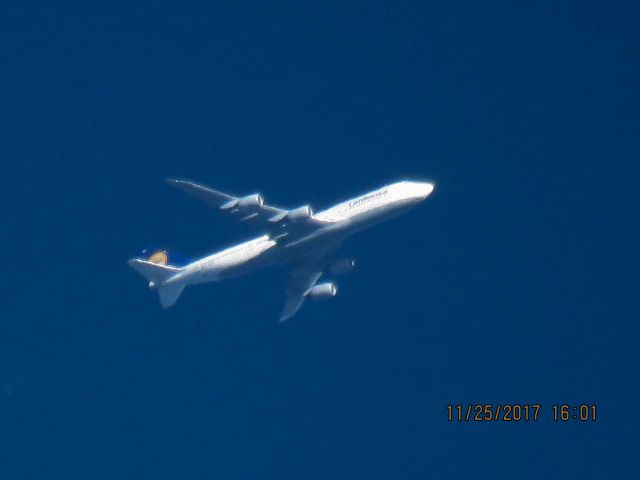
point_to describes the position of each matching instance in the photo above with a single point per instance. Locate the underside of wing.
(252, 209)
(302, 279)
(291, 306)
(248, 208)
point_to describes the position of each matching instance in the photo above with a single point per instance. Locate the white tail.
(170, 294)
(157, 273)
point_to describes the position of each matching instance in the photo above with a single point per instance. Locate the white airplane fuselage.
(338, 222)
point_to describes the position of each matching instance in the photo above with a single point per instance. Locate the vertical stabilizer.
(169, 294)
(157, 274)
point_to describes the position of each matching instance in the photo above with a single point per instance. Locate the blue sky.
(517, 282)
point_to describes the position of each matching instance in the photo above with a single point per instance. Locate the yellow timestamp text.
(514, 412)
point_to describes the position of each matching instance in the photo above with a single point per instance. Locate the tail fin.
(169, 294)
(157, 273)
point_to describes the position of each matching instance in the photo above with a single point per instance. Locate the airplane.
(303, 240)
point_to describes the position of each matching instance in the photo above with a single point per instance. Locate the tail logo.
(160, 257)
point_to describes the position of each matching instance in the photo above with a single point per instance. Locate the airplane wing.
(303, 277)
(251, 209)
(304, 274)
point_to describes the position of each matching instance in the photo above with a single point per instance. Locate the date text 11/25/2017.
(505, 412)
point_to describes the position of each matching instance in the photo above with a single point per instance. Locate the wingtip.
(136, 262)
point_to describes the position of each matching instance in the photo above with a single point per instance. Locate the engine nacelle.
(254, 200)
(323, 291)
(341, 267)
(300, 213)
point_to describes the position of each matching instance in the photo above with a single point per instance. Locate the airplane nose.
(423, 189)
(428, 189)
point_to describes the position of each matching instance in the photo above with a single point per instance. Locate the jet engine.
(323, 291)
(254, 200)
(341, 267)
(300, 213)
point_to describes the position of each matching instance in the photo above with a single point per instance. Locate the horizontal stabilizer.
(154, 272)
(163, 257)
